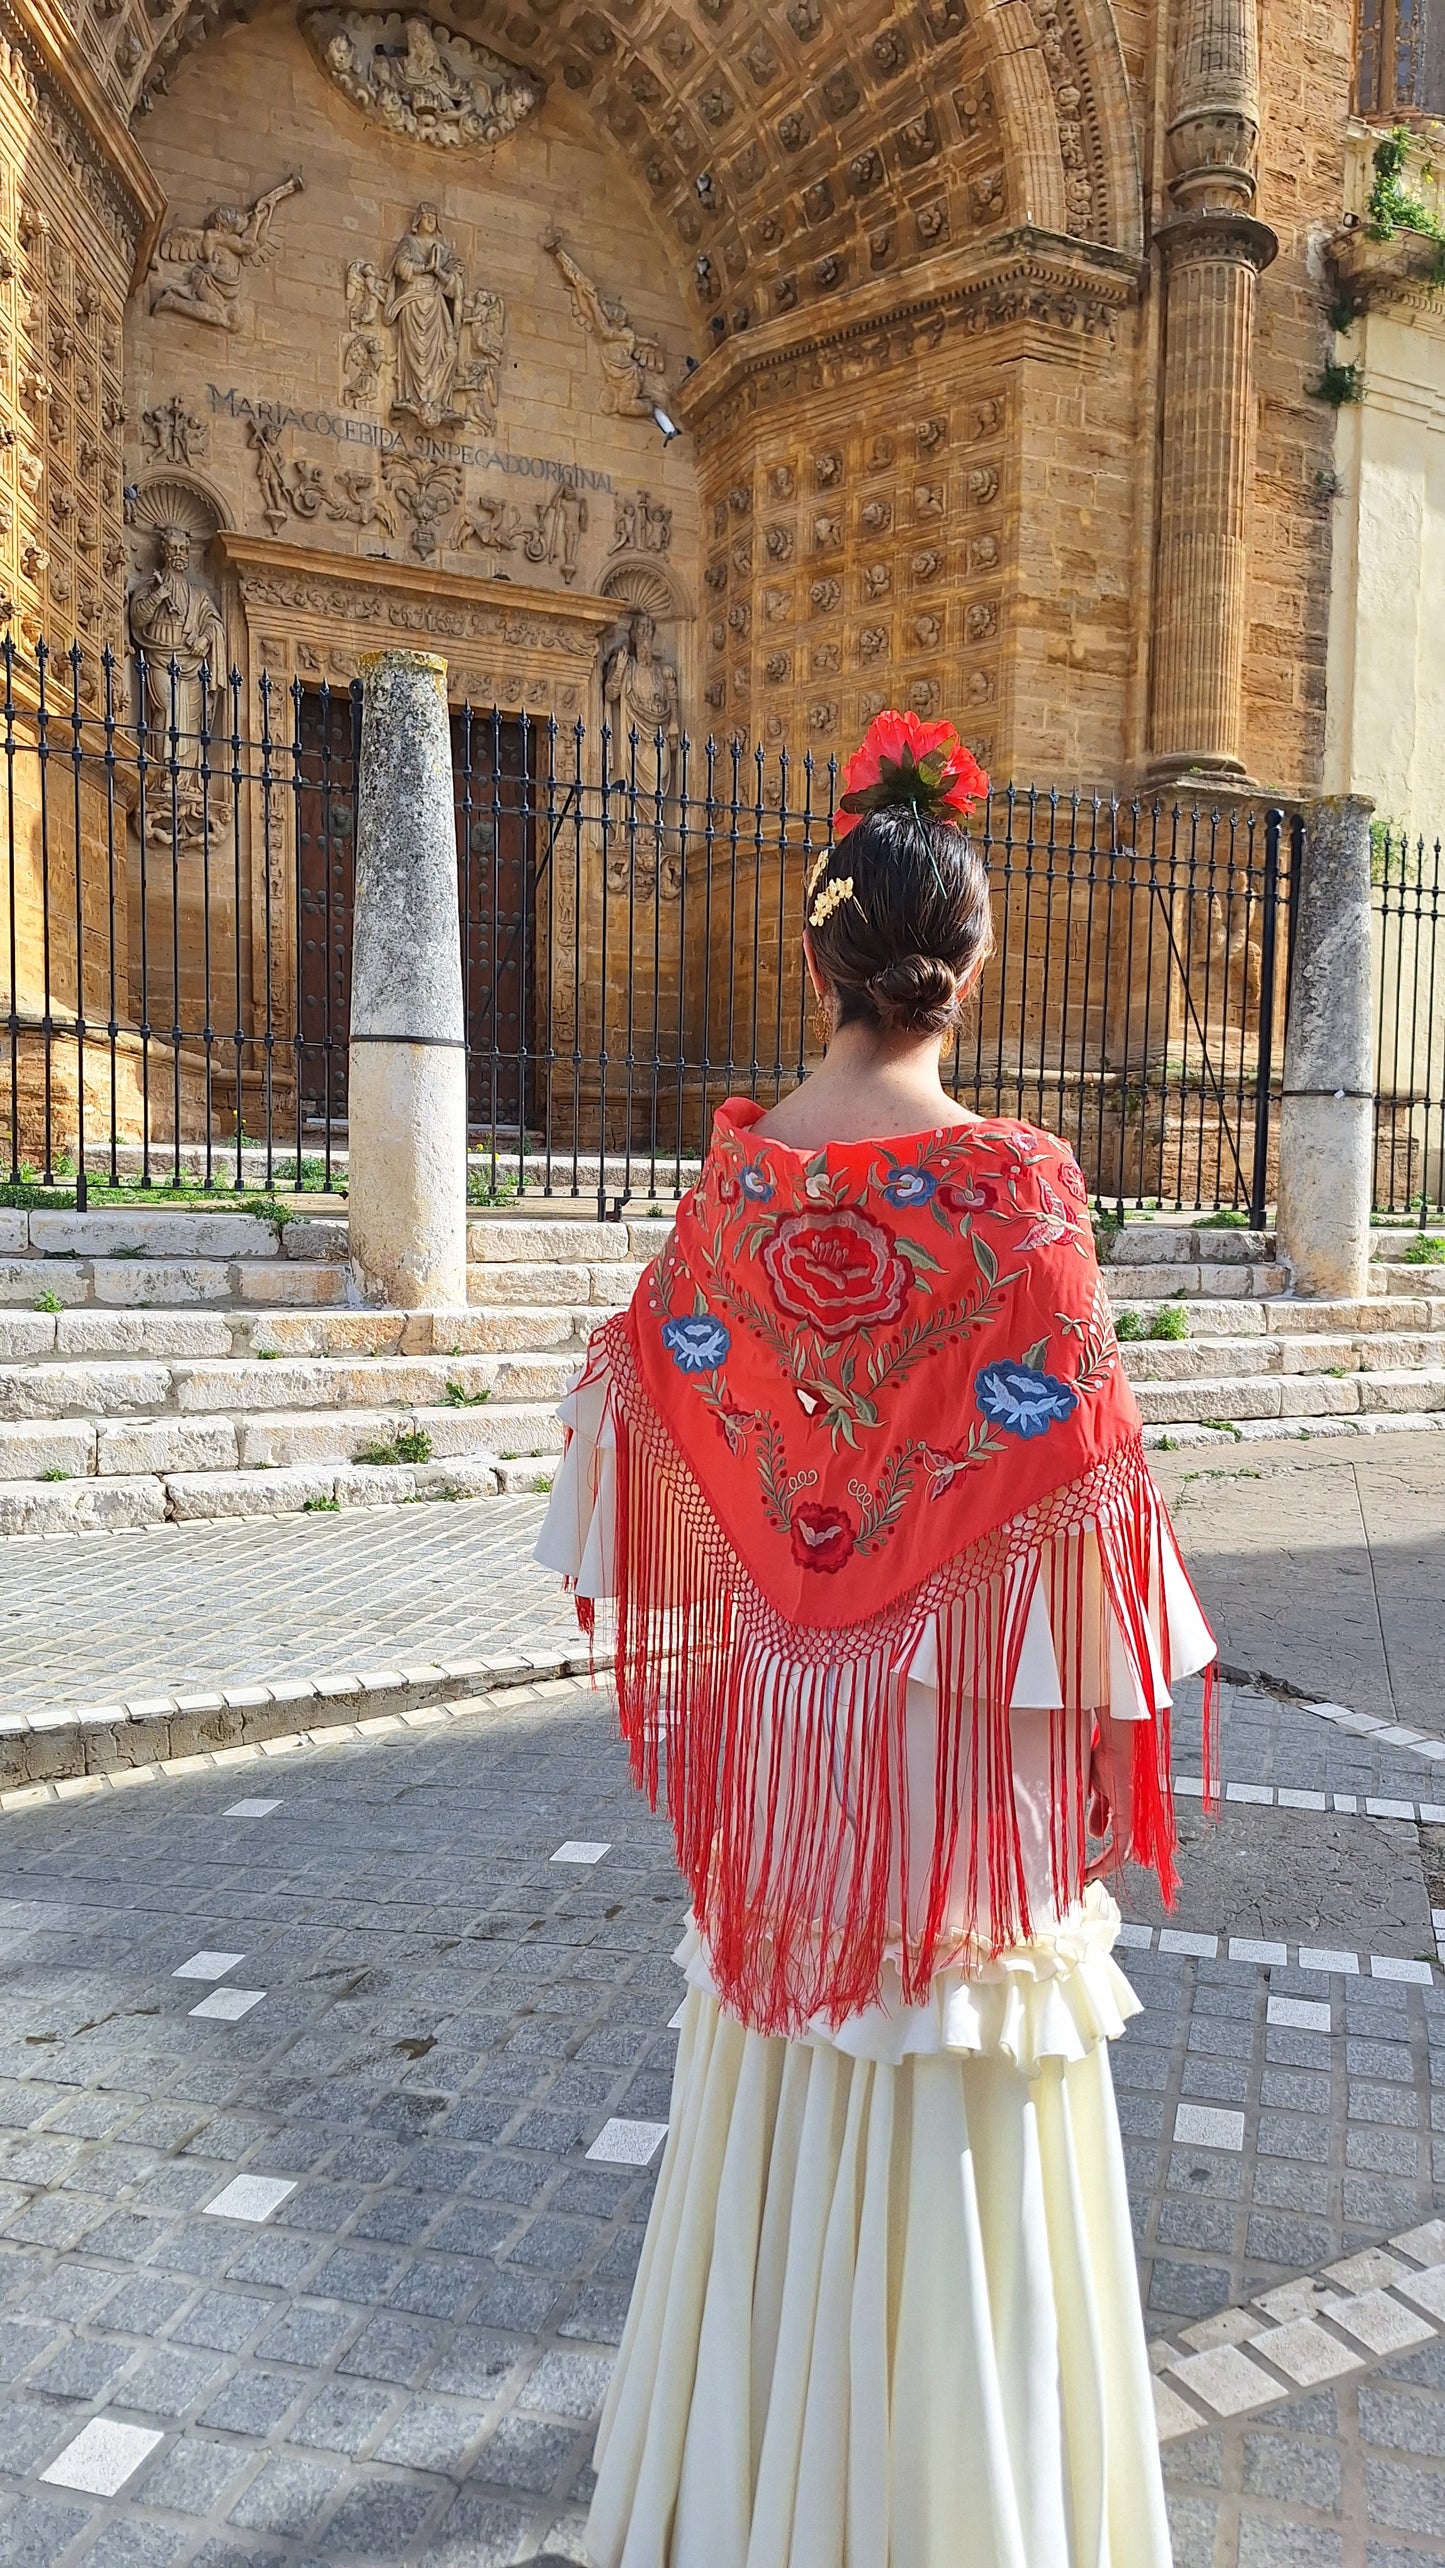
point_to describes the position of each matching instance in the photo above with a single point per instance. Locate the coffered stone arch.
(791, 154)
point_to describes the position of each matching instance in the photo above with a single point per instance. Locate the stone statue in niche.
(446, 341)
(639, 694)
(420, 78)
(631, 363)
(214, 256)
(176, 623)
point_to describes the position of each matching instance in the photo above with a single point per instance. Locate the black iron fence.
(177, 880)
(1409, 932)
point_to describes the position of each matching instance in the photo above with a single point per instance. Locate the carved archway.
(788, 158)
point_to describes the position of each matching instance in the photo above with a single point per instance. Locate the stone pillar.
(1212, 251)
(1326, 1119)
(407, 1106)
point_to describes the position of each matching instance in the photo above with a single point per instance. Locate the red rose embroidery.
(981, 1194)
(838, 1271)
(822, 1537)
(1069, 1177)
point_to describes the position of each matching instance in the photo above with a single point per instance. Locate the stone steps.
(212, 1365)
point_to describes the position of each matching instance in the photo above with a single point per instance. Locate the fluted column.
(1212, 251)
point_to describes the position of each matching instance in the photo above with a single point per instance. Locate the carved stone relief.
(298, 487)
(420, 78)
(175, 621)
(631, 363)
(441, 338)
(174, 433)
(213, 257)
(641, 523)
(640, 695)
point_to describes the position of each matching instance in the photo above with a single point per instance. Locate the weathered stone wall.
(1305, 65)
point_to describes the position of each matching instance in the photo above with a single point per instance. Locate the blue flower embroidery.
(698, 1345)
(758, 1187)
(1022, 1402)
(909, 1186)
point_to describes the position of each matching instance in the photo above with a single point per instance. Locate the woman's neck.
(868, 1087)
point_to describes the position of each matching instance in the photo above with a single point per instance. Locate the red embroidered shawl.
(859, 1388)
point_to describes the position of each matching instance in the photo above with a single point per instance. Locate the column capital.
(1225, 238)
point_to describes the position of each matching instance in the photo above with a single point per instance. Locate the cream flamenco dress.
(887, 2313)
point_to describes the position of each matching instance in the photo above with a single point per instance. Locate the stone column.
(1326, 1119)
(1212, 251)
(407, 1106)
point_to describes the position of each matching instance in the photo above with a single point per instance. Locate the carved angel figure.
(632, 364)
(215, 256)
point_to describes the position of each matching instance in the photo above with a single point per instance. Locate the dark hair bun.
(898, 915)
(917, 994)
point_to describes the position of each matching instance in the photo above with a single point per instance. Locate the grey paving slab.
(1324, 1566)
(96, 1619)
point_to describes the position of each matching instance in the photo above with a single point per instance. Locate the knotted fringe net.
(810, 1845)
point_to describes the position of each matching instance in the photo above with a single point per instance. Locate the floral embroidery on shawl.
(861, 1388)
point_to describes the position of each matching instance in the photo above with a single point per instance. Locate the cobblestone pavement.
(416, 2023)
(1323, 1569)
(84, 1618)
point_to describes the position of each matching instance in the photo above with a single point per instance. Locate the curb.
(88, 1743)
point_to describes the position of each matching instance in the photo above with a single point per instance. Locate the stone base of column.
(407, 1211)
(1322, 1227)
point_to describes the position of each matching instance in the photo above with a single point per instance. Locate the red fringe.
(784, 1748)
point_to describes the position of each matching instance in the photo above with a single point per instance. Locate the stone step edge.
(1181, 1434)
(147, 1502)
(59, 1752)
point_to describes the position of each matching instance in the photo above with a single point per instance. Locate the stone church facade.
(728, 367)
(989, 329)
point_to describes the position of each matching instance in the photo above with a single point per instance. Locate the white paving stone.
(1172, 2416)
(1174, 1939)
(1290, 1799)
(1390, 1966)
(1378, 2320)
(250, 1810)
(1371, 2270)
(1208, 2126)
(622, 2143)
(1261, 1793)
(1376, 1809)
(1250, 1948)
(1426, 2244)
(1304, 2014)
(1336, 1965)
(1306, 2353)
(1225, 2380)
(228, 2005)
(102, 2457)
(250, 2197)
(581, 1850)
(1426, 2290)
(208, 1966)
(1348, 1803)
(1139, 1939)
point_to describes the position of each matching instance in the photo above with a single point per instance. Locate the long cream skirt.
(886, 2317)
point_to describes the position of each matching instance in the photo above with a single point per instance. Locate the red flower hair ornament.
(903, 760)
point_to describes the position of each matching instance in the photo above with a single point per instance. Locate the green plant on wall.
(1393, 207)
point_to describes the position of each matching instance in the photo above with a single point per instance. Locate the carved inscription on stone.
(420, 78)
(201, 267)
